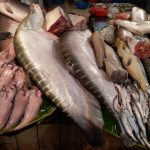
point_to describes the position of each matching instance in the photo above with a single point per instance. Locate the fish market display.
(77, 70)
(43, 63)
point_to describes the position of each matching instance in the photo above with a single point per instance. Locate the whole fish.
(6, 104)
(20, 103)
(138, 28)
(133, 65)
(43, 63)
(32, 107)
(78, 55)
(139, 15)
(14, 9)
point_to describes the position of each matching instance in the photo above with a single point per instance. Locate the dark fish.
(43, 62)
(14, 9)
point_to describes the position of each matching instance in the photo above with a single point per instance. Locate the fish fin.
(129, 62)
(8, 8)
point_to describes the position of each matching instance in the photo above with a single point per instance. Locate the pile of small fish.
(123, 50)
(19, 101)
(78, 71)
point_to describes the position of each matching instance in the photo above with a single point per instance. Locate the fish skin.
(133, 65)
(20, 103)
(14, 9)
(138, 14)
(50, 74)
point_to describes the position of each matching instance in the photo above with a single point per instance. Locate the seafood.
(139, 15)
(146, 64)
(98, 44)
(113, 66)
(32, 108)
(19, 78)
(79, 57)
(6, 104)
(77, 22)
(108, 34)
(20, 103)
(123, 34)
(140, 46)
(115, 72)
(7, 24)
(43, 63)
(7, 75)
(7, 49)
(56, 21)
(14, 9)
(133, 65)
(138, 28)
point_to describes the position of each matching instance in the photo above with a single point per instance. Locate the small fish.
(133, 65)
(32, 108)
(20, 103)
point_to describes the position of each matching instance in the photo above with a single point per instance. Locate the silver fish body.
(43, 62)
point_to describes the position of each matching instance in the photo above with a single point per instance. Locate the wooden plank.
(111, 142)
(70, 137)
(28, 139)
(49, 135)
(86, 145)
(8, 143)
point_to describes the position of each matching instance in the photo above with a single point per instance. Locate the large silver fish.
(37, 51)
(79, 57)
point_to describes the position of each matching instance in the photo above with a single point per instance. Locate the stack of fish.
(19, 101)
(79, 71)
